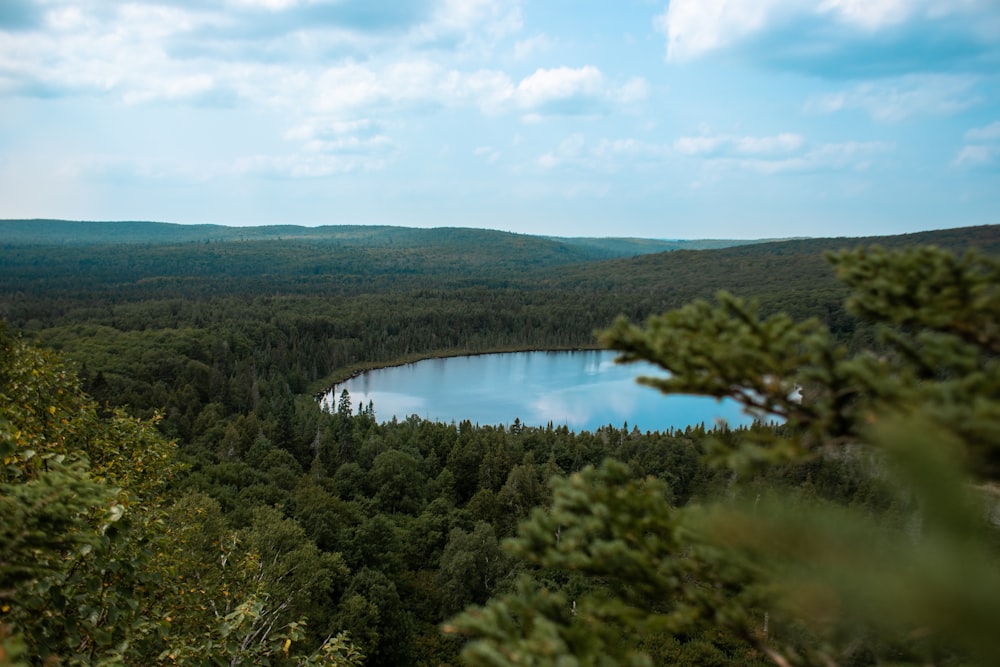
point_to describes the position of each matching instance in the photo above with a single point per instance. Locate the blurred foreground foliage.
(99, 567)
(765, 574)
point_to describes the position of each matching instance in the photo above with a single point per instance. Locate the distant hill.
(154, 258)
(154, 305)
(54, 256)
(76, 233)
(628, 247)
(79, 233)
(751, 264)
(790, 276)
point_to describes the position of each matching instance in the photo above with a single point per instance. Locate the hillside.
(758, 267)
(137, 260)
(790, 276)
(550, 291)
(309, 311)
(142, 260)
(90, 233)
(386, 530)
(639, 246)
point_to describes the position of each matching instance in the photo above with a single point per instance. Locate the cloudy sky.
(681, 119)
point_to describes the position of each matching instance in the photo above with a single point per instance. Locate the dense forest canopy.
(74, 233)
(172, 494)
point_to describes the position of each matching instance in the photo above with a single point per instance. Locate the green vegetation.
(102, 564)
(785, 573)
(70, 233)
(171, 494)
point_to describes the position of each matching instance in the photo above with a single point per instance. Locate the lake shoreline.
(354, 370)
(581, 388)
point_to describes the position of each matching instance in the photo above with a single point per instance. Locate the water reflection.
(582, 390)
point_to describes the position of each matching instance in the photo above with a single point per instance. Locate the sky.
(675, 120)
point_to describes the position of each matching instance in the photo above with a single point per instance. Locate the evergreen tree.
(791, 577)
(96, 566)
(344, 404)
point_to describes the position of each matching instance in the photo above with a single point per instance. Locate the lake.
(583, 390)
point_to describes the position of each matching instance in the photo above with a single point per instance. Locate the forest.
(173, 494)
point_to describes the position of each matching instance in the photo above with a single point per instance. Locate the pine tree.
(98, 567)
(777, 574)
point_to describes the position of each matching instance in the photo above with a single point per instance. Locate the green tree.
(372, 612)
(344, 404)
(97, 567)
(794, 578)
(520, 493)
(245, 594)
(79, 493)
(472, 567)
(399, 482)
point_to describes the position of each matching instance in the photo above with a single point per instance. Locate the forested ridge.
(300, 525)
(69, 232)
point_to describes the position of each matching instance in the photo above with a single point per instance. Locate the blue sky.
(682, 119)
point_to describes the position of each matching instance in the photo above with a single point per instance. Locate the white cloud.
(344, 143)
(318, 153)
(570, 149)
(131, 53)
(634, 90)
(548, 161)
(990, 132)
(977, 155)
(547, 85)
(489, 90)
(181, 87)
(496, 17)
(275, 55)
(848, 156)
(780, 153)
(607, 155)
(696, 27)
(897, 99)
(982, 148)
(781, 143)
(488, 153)
(630, 148)
(304, 165)
(137, 49)
(474, 26)
(698, 145)
(526, 48)
(325, 146)
(117, 52)
(785, 142)
(363, 89)
(569, 91)
(349, 87)
(264, 4)
(870, 14)
(318, 126)
(66, 18)
(109, 166)
(835, 37)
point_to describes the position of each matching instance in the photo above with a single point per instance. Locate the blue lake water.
(583, 390)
